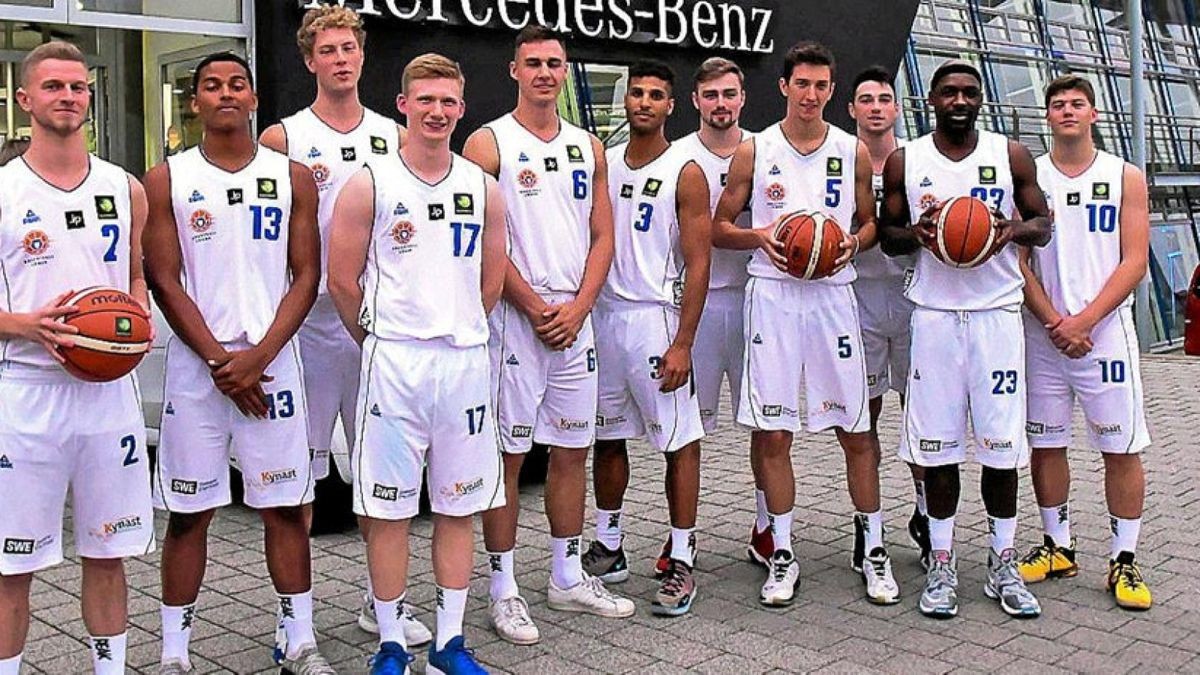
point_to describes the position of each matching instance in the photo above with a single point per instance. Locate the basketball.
(966, 231)
(114, 334)
(810, 244)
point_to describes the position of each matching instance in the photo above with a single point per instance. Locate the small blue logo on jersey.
(314, 153)
(5, 463)
(523, 157)
(400, 209)
(925, 182)
(170, 409)
(757, 339)
(774, 170)
(30, 218)
(375, 410)
(512, 360)
(196, 197)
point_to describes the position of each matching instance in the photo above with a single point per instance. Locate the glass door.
(176, 127)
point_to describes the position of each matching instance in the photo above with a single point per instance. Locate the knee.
(104, 566)
(609, 449)
(1122, 464)
(772, 444)
(568, 458)
(857, 445)
(182, 525)
(286, 516)
(14, 586)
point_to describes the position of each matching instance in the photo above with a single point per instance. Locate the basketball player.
(1082, 343)
(68, 221)
(805, 330)
(425, 234)
(233, 254)
(718, 95)
(334, 137)
(967, 351)
(879, 288)
(554, 181)
(646, 325)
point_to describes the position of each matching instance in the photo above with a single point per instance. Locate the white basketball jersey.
(547, 188)
(333, 157)
(872, 263)
(1086, 246)
(53, 241)
(233, 233)
(422, 280)
(728, 267)
(786, 181)
(929, 177)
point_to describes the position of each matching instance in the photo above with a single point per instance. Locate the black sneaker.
(918, 532)
(609, 566)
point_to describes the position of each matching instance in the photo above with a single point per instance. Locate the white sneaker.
(590, 597)
(510, 619)
(415, 632)
(882, 588)
(782, 579)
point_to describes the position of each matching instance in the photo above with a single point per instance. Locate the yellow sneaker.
(1126, 584)
(1048, 561)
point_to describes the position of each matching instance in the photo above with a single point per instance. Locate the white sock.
(919, 490)
(1056, 523)
(388, 613)
(873, 533)
(608, 528)
(451, 605)
(108, 654)
(504, 581)
(781, 530)
(681, 545)
(941, 533)
(762, 519)
(177, 631)
(1003, 533)
(11, 665)
(566, 566)
(297, 612)
(1125, 534)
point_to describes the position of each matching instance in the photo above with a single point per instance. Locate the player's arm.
(137, 226)
(695, 239)
(275, 138)
(495, 239)
(738, 184)
(896, 237)
(563, 322)
(1036, 298)
(353, 220)
(864, 210)
(1135, 247)
(482, 148)
(1034, 227)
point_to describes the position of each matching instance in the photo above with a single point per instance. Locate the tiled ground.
(830, 629)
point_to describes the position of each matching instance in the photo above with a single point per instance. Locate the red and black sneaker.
(663, 563)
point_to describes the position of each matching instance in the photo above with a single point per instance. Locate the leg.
(683, 485)
(500, 533)
(184, 556)
(610, 474)
(289, 560)
(862, 468)
(1124, 489)
(14, 613)
(387, 558)
(566, 491)
(453, 548)
(942, 490)
(105, 613)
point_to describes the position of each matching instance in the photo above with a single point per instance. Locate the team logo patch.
(464, 204)
(74, 220)
(437, 212)
(551, 164)
(320, 174)
(235, 196)
(313, 152)
(267, 189)
(1073, 199)
(400, 210)
(123, 326)
(106, 207)
(927, 201)
(349, 154)
(774, 170)
(1099, 190)
(379, 145)
(201, 221)
(36, 243)
(833, 166)
(31, 218)
(987, 175)
(574, 153)
(776, 193)
(523, 157)
(196, 197)
(402, 233)
(626, 191)
(527, 179)
(925, 182)
(651, 188)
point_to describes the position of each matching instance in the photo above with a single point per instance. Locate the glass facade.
(1020, 45)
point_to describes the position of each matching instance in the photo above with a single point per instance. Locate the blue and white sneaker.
(391, 660)
(453, 659)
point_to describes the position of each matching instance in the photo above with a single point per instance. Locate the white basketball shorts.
(202, 430)
(631, 339)
(330, 357)
(539, 394)
(1107, 382)
(424, 405)
(718, 352)
(56, 433)
(966, 366)
(803, 335)
(884, 313)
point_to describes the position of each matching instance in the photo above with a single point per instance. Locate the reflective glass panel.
(229, 11)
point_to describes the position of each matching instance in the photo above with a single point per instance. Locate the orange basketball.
(114, 334)
(966, 231)
(810, 244)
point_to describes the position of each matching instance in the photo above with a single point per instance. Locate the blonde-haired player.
(68, 220)
(416, 262)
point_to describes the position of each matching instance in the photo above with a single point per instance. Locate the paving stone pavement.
(829, 629)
